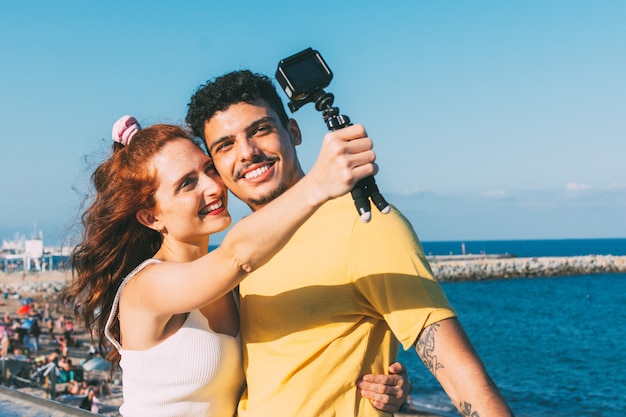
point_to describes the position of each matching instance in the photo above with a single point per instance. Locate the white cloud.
(496, 194)
(413, 191)
(572, 186)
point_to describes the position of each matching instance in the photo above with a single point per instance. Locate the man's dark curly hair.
(232, 88)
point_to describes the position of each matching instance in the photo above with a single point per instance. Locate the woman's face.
(191, 198)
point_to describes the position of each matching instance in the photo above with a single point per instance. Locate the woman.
(142, 277)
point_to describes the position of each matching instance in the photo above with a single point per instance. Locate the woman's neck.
(177, 251)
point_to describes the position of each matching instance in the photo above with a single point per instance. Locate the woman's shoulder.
(141, 267)
(130, 282)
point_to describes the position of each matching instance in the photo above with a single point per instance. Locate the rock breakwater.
(485, 268)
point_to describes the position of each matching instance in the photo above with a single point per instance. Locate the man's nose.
(247, 149)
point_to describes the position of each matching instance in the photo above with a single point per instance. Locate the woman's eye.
(187, 182)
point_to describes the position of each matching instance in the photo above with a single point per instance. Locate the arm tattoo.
(426, 348)
(466, 409)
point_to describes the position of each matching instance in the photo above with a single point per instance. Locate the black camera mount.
(304, 76)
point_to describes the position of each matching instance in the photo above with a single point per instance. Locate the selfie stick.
(365, 188)
(303, 77)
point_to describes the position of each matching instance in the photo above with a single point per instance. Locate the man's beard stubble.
(257, 202)
(267, 198)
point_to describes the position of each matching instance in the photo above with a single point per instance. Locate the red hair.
(113, 241)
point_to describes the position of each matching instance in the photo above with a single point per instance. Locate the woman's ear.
(147, 218)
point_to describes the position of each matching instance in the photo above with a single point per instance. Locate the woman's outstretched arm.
(346, 157)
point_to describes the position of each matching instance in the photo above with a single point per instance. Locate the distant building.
(25, 255)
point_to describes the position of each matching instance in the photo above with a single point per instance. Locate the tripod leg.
(377, 198)
(361, 201)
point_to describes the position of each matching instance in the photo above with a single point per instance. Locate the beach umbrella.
(25, 301)
(97, 364)
(23, 309)
(27, 324)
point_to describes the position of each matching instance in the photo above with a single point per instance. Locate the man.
(332, 303)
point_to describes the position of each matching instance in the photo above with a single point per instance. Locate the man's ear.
(147, 218)
(294, 132)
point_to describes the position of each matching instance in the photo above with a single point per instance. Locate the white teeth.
(212, 207)
(256, 172)
(216, 205)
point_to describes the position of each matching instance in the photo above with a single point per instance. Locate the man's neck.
(254, 206)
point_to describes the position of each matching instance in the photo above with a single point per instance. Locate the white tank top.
(194, 372)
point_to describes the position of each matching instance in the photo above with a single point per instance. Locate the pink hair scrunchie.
(124, 129)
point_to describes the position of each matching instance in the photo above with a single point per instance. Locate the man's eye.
(222, 147)
(264, 129)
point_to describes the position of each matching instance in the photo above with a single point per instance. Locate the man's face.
(253, 152)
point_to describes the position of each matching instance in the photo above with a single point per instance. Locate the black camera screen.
(306, 73)
(302, 74)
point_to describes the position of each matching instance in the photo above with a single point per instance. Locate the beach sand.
(43, 287)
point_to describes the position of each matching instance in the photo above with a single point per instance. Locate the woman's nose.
(211, 184)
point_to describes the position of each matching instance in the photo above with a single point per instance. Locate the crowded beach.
(45, 352)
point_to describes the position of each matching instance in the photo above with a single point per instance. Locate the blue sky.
(491, 120)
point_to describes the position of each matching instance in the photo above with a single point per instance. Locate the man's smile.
(256, 172)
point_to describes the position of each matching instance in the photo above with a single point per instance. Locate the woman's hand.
(387, 392)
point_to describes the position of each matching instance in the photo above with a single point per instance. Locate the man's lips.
(255, 174)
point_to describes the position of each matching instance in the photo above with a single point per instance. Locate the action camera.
(304, 76)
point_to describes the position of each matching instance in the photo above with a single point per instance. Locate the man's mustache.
(256, 160)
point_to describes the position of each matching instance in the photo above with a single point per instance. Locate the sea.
(554, 346)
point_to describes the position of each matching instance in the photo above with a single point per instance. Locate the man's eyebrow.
(216, 142)
(251, 126)
(262, 120)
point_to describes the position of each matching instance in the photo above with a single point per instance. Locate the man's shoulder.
(340, 209)
(392, 222)
(344, 206)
